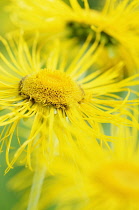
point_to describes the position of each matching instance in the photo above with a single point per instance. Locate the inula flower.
(60, 95)
(100, 179)
(117, 23)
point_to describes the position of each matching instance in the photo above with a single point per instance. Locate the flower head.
(51, 88)
(100, 179)
(117, 23)
(62, 96)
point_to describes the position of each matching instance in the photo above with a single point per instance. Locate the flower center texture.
(121, 178)
(51, 88)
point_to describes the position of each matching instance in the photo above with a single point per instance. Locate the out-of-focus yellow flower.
(63, 99)
(100, 179)
(117, 22)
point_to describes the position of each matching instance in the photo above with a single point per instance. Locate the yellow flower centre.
(120, 178)
(52, 88)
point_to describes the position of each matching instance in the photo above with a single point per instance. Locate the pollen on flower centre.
(52, 88)
(120, 178)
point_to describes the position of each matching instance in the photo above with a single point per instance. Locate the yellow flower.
(60, 95)
(100, 179)
(117, 23)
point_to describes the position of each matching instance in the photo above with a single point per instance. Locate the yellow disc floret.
(52, 88)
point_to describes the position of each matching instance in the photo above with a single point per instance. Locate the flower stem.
(36, 188)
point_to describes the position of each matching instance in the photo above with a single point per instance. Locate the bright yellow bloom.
(117, 23)
(60, 94)
(100, 179)
(103, 179)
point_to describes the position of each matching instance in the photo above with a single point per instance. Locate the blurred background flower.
(115, 21)
(100, 179)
